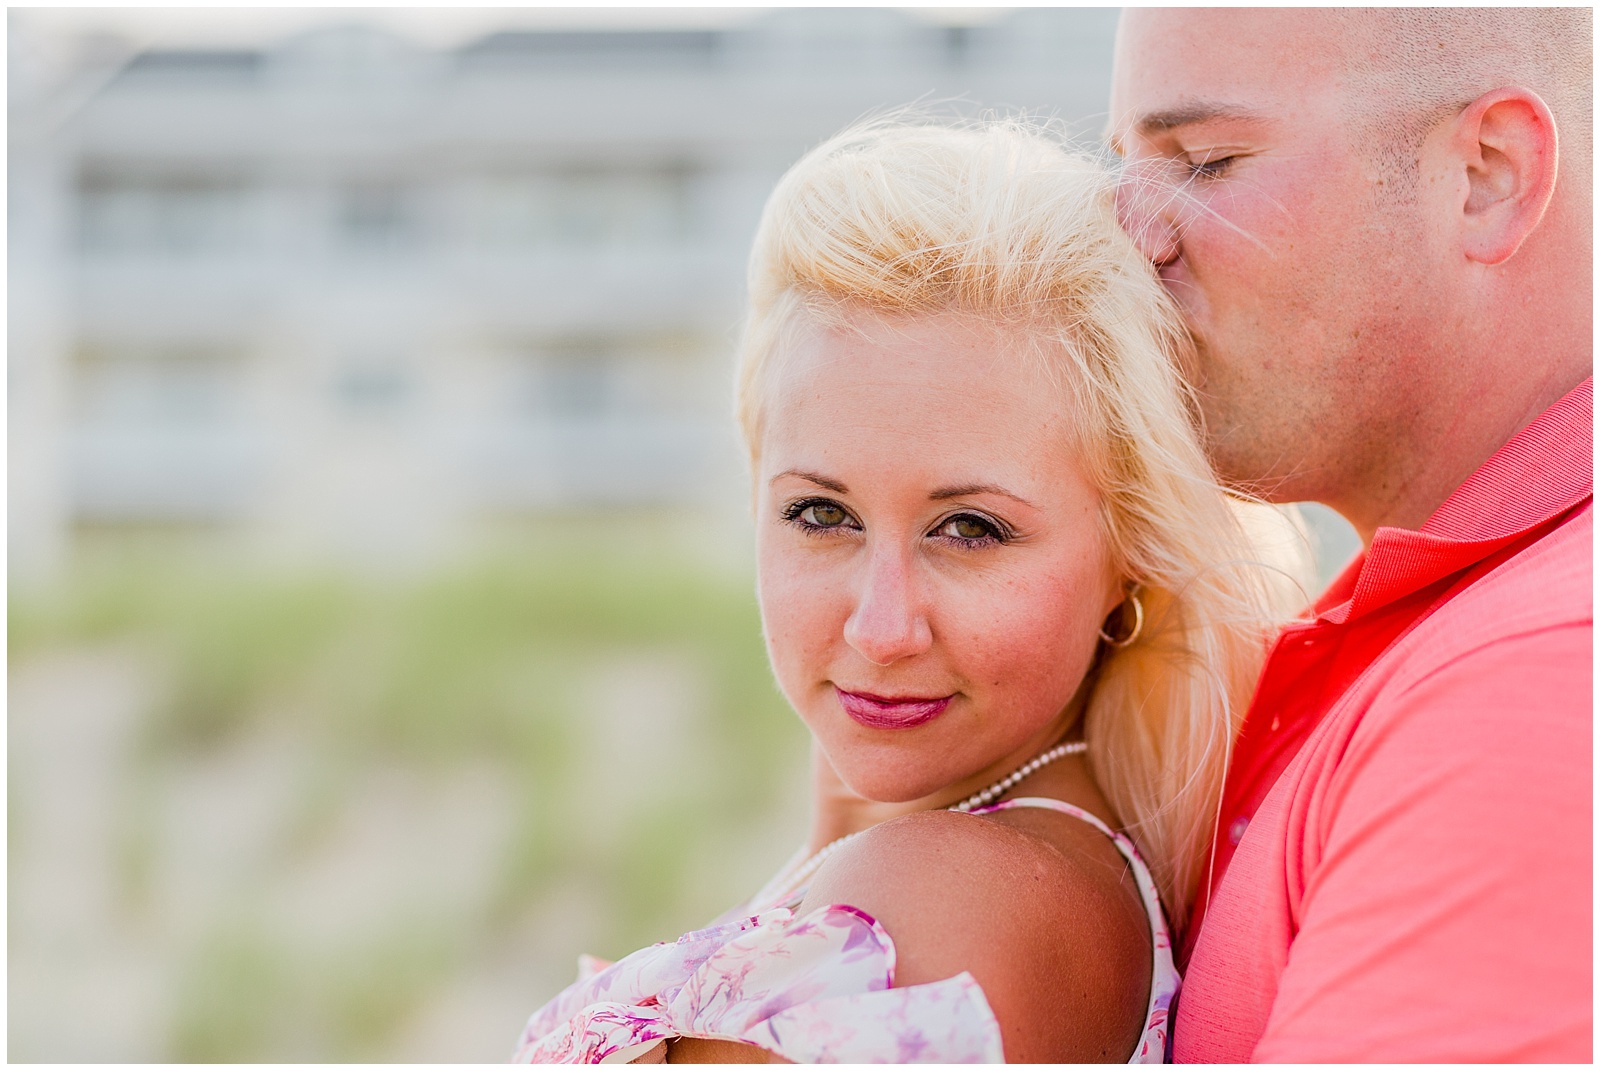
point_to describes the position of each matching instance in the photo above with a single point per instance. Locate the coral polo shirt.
(1404, 869)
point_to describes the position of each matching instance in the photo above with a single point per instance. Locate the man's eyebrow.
(976, 489)
(816, 478)
(1197, 112)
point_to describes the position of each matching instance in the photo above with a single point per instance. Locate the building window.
(575, 383)
(162, 433)
(188, 67)
(174, 213)
(588, 50)
(596, 419)
(372, 384)
(583, 206)
(377, 216)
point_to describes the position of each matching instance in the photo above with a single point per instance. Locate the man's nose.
(1147, 196)
(888, 623)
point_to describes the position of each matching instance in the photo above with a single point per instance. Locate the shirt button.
(1236, 829)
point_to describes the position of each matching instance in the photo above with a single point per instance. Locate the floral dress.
(817, 988)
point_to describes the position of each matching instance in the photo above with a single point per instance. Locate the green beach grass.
(488, 671)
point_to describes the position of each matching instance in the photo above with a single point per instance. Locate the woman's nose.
(1147, 196)
(888, 623)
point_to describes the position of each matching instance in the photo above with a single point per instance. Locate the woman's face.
(932, 570)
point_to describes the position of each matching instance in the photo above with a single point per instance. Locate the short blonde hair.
(1002, 221)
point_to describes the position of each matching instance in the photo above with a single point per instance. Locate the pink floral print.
(813, 989)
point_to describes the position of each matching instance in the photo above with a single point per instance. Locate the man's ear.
(1506, 143)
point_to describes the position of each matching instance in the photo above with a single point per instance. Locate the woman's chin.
(879, 787)
(886, 770)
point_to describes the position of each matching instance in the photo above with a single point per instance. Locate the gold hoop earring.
(1138, 623)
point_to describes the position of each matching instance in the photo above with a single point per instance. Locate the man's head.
(1376, 233)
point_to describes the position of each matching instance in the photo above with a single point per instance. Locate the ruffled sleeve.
(817, 989)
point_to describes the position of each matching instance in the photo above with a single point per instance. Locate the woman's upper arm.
(1063, 962)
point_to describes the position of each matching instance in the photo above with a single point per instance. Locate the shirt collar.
(1544, 470)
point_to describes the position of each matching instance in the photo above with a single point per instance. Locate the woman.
(1001, 589)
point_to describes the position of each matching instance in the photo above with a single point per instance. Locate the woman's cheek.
(797, 616)
(1040, 637)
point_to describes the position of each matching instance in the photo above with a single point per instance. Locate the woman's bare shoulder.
(1062, 954)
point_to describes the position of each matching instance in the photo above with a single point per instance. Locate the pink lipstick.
(880, 712)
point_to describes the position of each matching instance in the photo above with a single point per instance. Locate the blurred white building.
(349, 295)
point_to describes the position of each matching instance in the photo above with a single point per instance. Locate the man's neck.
(1405, 495)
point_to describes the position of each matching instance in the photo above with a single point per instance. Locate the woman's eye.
(969, 528)
(818, 515)
(824, 515)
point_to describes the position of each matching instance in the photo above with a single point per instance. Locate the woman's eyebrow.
(819, 480)
(977, 489)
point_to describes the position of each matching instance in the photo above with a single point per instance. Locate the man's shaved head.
(1413, 67)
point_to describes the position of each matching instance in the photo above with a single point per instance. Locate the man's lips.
(883, 712)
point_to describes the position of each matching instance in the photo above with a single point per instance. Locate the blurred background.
(381, 631)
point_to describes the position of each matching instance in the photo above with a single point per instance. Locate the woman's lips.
(879, 712)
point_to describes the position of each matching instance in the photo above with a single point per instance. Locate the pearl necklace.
(1002, 786)
(794, 874)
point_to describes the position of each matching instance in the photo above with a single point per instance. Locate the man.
(1378, 226)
